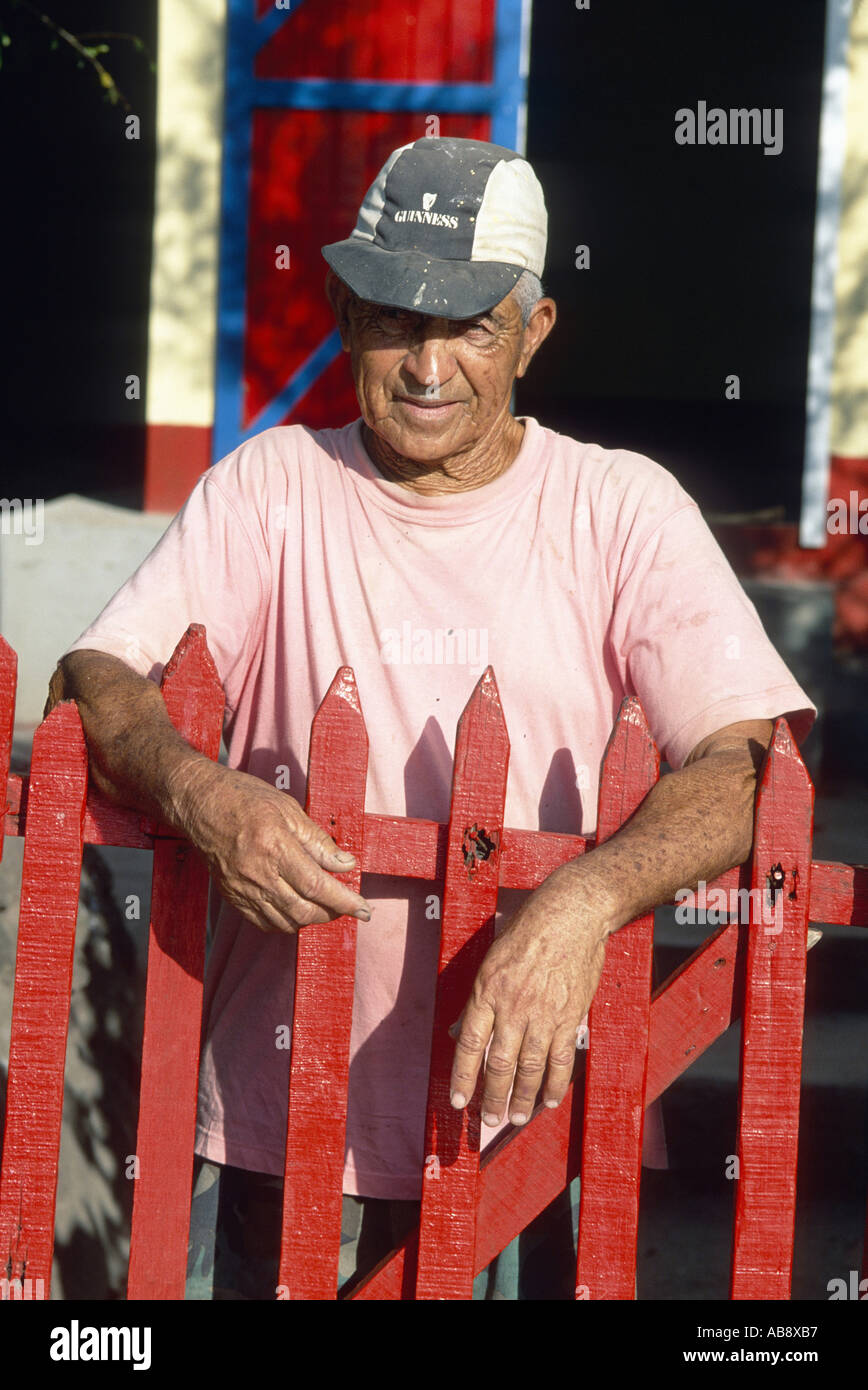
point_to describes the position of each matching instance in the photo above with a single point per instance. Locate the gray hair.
(526, 291)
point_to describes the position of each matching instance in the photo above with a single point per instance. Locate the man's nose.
(430, 358)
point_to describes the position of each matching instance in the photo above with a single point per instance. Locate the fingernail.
(490, 1120)
(518, 1118)
(363, 915)
(552, 1104)
(345, 856)
(458, 1100)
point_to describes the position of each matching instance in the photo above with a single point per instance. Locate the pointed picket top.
(59, 750)
(484, 691)
(338, 750)
(192, 691)
(783, 746)
(8, 680)
(629, 767)
(344, 688)
(482, 722)
(340, 706)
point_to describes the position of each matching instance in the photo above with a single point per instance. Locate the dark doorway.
(700, 256)
(77, 224)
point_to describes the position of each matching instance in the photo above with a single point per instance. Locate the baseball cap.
(446, 228)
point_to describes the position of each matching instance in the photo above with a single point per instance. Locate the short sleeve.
(692, 644)
(206, 569)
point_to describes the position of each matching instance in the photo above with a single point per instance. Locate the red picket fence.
(639, 1042)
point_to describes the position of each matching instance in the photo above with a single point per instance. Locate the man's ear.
(339, 296)
(539, 326)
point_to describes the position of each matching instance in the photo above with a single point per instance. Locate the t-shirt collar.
(448, 507)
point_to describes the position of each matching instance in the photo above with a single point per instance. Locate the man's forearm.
(693, 824)
(136, 755)
(539, 977)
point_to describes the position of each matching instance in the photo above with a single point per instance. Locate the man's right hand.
(266, 857)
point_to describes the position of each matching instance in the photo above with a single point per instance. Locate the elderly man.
(581, 574)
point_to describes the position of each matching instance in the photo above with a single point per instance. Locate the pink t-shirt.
(580, 574)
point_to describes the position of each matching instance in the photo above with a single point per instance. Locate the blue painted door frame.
(503, 100)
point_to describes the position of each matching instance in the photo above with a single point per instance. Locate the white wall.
(182, 327)
(50, 590)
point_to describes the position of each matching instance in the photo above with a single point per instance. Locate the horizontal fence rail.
(640, 1041)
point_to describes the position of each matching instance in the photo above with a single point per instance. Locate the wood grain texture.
(618, 1047)
(774, 1007)
(323, 1012)
(173, 1006)
(51, 876)
(447, 1231)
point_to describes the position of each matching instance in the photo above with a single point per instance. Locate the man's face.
(432, 387)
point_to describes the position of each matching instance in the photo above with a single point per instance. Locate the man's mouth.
(426, 405)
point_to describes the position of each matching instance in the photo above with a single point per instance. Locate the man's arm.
(265, 855)
(538, 979)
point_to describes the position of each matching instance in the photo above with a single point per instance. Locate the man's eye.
(392, 319)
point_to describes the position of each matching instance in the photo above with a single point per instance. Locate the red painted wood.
(694, 1007)
(173, 1006)
(175, 456)
(531, 1165)
(8, 677)
(323, 1012)
(618, 1046)
(525, 1171)
(433, 40)
(417, 849)
(839, 894)
(771, 1055)
(447, 1232)
(51, 876)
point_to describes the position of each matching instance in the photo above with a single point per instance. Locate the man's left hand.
(529, 998)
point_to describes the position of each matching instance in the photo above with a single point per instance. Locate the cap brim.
(416, 281)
